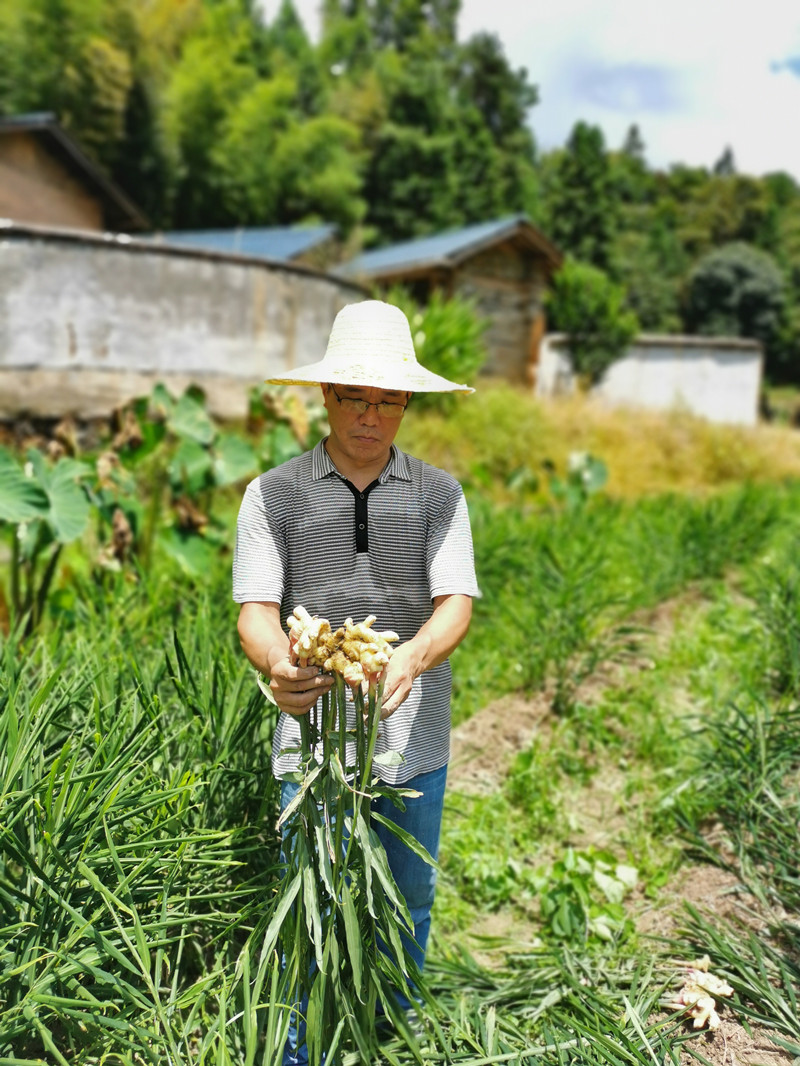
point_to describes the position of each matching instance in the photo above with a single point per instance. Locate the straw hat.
(370, 344)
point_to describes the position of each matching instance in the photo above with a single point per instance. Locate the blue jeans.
(415, 878)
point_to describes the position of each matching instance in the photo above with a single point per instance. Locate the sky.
(696, 76)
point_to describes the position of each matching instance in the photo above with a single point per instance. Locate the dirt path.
(482, 751)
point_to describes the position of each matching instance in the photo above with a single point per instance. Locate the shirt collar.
(322, 465)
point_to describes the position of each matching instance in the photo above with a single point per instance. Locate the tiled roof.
(278, 242)
(446, 249)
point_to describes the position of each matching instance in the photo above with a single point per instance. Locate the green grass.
(138, 849)
(704, 737)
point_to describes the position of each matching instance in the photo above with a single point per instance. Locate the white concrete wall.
(717, 378)
(88, 322)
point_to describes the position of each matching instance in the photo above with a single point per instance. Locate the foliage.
(736, 291)
(138, 850)
(207, 114)
(587, 306)
(42, 508)
(240, 121)
(582, 894)
(777, 596)
(581, 207)
(132, 793)
(150, 492)
(339, 909)
(448, 340)
(585, 476)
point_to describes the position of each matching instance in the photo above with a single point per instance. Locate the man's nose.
(370, 416)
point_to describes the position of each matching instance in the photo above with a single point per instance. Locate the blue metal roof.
(278, 242)
(441, 249)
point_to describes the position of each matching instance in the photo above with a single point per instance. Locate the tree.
(725, 166)
(629, 178)
(633, 146)
(204, 90)
(287, 48)
(736, 291)
(70, 57)
(590, 308)
(581, 208)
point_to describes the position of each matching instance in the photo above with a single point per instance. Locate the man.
(356, 527)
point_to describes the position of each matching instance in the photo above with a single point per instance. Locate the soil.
(482, 750)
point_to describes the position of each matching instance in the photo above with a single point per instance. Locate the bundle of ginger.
(355, 650)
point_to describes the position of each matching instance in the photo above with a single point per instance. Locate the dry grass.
(501, 429)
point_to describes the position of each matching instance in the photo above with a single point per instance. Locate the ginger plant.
(340, 920)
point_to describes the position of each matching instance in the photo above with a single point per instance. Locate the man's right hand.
(265, 642)
(297, 688)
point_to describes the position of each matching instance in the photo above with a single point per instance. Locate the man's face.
(362, 437)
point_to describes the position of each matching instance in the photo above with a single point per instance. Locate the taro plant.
(43, 507)
(283, 423)
(186, 458)
(585, 476)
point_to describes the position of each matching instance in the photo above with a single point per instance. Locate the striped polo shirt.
(306, 536)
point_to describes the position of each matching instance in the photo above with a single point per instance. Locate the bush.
(736, 291)
(587, 306)
(448, 339)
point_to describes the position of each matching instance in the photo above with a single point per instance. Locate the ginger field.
(621, 824)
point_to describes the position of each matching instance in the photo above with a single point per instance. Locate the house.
(46, 179)
(313, 246)
(504, 266)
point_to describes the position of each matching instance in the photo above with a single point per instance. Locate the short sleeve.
(259, 559)
(451, 562)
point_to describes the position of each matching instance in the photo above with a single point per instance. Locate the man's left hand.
(403, 667)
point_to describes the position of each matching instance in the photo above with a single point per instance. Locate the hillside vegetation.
(208, 115)
(499, 439)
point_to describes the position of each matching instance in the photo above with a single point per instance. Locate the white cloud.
(694, 75)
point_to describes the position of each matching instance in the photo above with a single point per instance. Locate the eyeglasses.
(354, 406)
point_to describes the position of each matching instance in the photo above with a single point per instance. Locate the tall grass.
(139, 855)
(136, 820)
(488, 438)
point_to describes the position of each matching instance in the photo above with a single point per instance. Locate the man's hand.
(443, 632)
(297, 688)
(403, 667)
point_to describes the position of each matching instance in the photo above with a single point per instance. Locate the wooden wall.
(36, 188)
(508, 286)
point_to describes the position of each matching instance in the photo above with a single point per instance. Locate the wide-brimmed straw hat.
(370, 345)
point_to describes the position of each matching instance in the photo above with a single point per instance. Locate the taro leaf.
(280, 445)
(190, 419)
(161, 401)
(594, 474)
(68, 511)
(190, 467)
(150, 417)
(190, 550)
(234, 459)
(21, 497)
